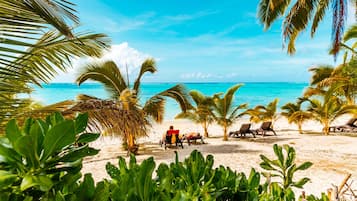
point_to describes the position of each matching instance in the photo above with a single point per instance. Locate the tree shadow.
(267, 139)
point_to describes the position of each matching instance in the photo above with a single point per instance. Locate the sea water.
(253, 93)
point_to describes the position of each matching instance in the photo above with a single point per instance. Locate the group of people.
(172, 136)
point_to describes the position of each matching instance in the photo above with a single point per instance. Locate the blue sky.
(202, 41)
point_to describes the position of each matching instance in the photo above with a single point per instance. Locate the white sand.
(333, 156)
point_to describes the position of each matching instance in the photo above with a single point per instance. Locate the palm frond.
(339, 18)
(179, 94)
(351, 33)
(155, 108)
(319, 15)
(270, 10)
(106, 73)
(148, 65)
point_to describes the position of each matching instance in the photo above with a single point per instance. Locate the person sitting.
(193, 136)
(172, 137)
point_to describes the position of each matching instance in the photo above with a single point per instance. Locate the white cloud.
(122, 54)
(196, 75)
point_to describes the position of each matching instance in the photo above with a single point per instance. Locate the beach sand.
(333, 156)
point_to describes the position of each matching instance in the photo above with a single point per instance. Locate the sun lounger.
(193, 137)
(244, 129)
(348, 127)
(264, 128)
(171, 139)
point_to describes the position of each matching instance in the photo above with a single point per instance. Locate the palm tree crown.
(201, 113)
(224, 110)
(108, 74)
(298, 14)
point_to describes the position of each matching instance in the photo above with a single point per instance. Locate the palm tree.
(344, 75)
(327, 108)
(108, 74)
(224, 110)
(298, 14)
(32, 52)
(264, 113)
(201, 113)
(294, 114)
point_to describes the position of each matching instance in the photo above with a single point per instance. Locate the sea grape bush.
(42, 161)
(43, 158)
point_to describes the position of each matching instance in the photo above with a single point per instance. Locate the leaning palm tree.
(38, 41)
(294, 114)
(264, 113)
(343, 75)
(201, 112)
(327, 107)
(224, 110)
(108, 74)
(299, 14)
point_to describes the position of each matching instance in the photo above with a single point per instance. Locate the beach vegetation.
(201, 111)
(38, 40)
(295, 114)
(299, 14)
(43, 158)
(343, 78)
(128, 96)
(264, 113)
(225, 111)
(325, 108)
(283, 168)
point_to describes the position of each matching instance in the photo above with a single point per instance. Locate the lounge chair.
(348, 127)
(193, 137)
(264, 128)
(172, 139)
(244, 129)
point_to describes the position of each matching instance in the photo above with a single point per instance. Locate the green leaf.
(101, 192)
(41, 181)
(279, 153)
(37, 134)
(9, 155)
(6, 179)
(59, 136)
(304, 166)
(13, 132)
(55, 118)
(26, 146)
(27, 125)
(88, 137)
(86, 188)
(79, 154)
(81, 122)
(254, 179)
(301, 182)
(113, 171)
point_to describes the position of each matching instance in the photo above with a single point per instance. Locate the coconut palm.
(299, 14)
(294, 114)
(32, 52)
(201, 112)
(344, 75)
(327, 107)
(224, 110)
(108, 74)
(264, 113)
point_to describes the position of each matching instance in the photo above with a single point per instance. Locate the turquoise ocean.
(253, 93)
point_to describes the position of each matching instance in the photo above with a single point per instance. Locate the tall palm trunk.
(326, 129)
(205, 128)
(300, 127)
(225, 136)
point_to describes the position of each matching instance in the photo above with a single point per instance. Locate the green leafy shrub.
(43, 159)
(284, 168)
